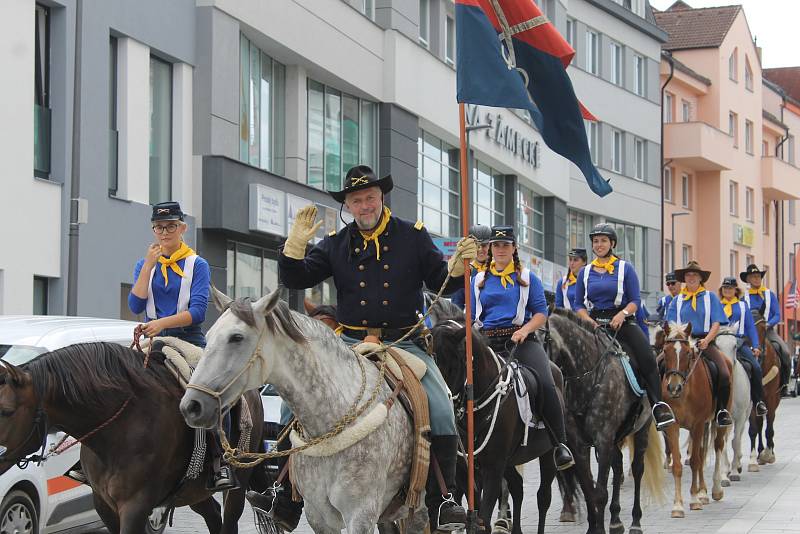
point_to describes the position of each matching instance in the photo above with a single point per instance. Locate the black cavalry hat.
(670, 277)
(167, 211)
(692, 267)
(362, 177)
(502, 233)
(751, 269)
(729, 281)
(578, 253)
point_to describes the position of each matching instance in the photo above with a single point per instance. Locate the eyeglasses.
(671, 283)
(169, 228)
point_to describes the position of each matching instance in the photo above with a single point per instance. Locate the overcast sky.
(773, 23)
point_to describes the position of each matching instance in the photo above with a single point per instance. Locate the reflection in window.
(488, 195)
(251, 271)
(438, 185)
(530, 221)
(160, 130)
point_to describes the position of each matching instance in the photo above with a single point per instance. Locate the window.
(488, 195)
(616, 153)
(572, 32)
(41, 96)
(669, 256)
(686, 253)
(638, 75)
(424, 22)
(733, 68)
(748, 136)
(667, 186)
(342, 133)
(368, 8)
(792, 208)
(749, 260)
(764, 219)
(113, 134)
(160, 130)
(630, 244)
(450, 41)
(579, 226)
(733, 127)
(616, 64)
(733, 194)
(733, 263)
(438, 185)
(39, 295)
(668, 106)
(686, 111)
(591, 52)
(749, 208)
(262, 109)
(639, 155)
(748, 74)
(686, 191)
(251, 271)
(591, 134)
(530, 221)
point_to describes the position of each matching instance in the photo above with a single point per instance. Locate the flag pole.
(465, 211)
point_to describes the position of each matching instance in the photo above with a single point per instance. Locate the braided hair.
(517, 268)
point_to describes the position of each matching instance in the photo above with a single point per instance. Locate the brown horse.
(771, 365)
(686, 387)
(135, 444)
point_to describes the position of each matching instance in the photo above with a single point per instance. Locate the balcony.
(698, 146)
(779, 180)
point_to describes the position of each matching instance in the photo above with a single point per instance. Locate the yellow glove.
(466, 249)
(302, 230)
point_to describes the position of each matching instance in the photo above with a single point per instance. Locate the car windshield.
(19, 354)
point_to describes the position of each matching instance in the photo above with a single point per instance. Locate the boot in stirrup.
(662, 414)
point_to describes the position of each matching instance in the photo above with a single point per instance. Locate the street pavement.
(767, 502)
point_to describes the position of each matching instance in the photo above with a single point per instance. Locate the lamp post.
(672, 235)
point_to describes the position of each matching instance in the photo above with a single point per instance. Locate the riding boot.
(222, 476)
(757, 393)
(285, 510)
(553, 414)
(662, 413)
(444, 513)
(723, 394)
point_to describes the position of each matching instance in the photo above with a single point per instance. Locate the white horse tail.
(653, 479)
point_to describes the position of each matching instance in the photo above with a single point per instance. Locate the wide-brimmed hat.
(578, 253)
(751, 269)
(692, 267)
(669, 277)
(362, 177)
(502, 233)
(167, 211)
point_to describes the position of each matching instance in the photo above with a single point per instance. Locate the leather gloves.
(302, 230)
(466, 249)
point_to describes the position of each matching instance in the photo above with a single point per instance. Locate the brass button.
(385, 302)
(360, 267)
(362, 284)
(358, 250)
(386, 284)
(385, 248)
(363, 302)
(365, 322)
(385, 267)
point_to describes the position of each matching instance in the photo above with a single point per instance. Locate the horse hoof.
(753, 468)
(704, 499)
(616, 528)
(734, 477)
(725, 483)
(678, 514)
(635, 530)
(567, 517)
(687, 462)
(717, 495)
(696, 506)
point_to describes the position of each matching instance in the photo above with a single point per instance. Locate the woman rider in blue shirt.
(171, 289)
(608, 290)
(510, 305)
(565, 289)
(738, 313)
(704, 311)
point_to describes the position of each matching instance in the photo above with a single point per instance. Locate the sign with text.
(267, 210)
(446, 245)
(743, 235)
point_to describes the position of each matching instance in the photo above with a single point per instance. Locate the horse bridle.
(695, 359)
(38, 428)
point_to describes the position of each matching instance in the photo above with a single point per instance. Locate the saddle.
(713, 374)
(747, 366)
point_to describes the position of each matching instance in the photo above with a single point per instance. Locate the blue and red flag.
(486, 77)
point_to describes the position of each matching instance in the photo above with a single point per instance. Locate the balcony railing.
(698, 145)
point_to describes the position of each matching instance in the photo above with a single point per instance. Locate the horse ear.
(688, 330)
(267, 303)
(309, 306)
(666, 329)
(220, 299)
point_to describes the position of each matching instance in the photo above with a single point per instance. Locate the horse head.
(679, 357)
(446, 343)
(22, 423)
(234, 360)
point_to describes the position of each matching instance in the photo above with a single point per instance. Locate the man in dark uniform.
(379, 264)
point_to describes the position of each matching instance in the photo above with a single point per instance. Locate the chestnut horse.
(771, 365)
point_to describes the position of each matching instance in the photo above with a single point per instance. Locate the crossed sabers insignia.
(163, 210)
(500, 234)
(358, 181)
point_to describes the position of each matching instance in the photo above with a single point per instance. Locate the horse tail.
(653, 479)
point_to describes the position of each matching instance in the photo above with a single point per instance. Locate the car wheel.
(156, 521)
(18, 515)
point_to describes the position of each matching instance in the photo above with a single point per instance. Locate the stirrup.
(661, 425)
(761, 408)
(721, 412)
(448, 499)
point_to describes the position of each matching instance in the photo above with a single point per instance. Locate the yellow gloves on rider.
(466, 249)
(302, 230)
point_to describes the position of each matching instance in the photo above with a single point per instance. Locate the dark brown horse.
(135, 445)
(770, 365)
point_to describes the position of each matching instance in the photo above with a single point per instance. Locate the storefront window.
(630, 244)
(438, 184)
(530, 221)
(251, 271)
(579, 226)
(488, 195)
(342, 133)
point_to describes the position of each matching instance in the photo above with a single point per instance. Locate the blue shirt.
(457, 298)
(663, 306)
(697, 317)
(641, 319)
(757, 302)
(500, 304)
(602, 290)
(570, 294)
(749, 323)
(166, 298)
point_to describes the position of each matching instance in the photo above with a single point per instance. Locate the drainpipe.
(666, 54)
(75, 183)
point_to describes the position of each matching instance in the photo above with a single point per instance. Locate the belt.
(384, 334)
(500, 332)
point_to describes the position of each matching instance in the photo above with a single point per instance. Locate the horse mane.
(444, 309)
(278, 320)
(323, 310)
(84, 374)
(575, 318)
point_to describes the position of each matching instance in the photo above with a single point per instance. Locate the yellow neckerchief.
(758, 291)
(571, 279)
(692, 295)
(505, 275)
(729, 305)
(608, 265)
(172, 262)
(373, 236)
(478, 266)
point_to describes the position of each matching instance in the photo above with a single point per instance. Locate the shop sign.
(743, 235)
(504, 135)
(446, 245)
(267, 210)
